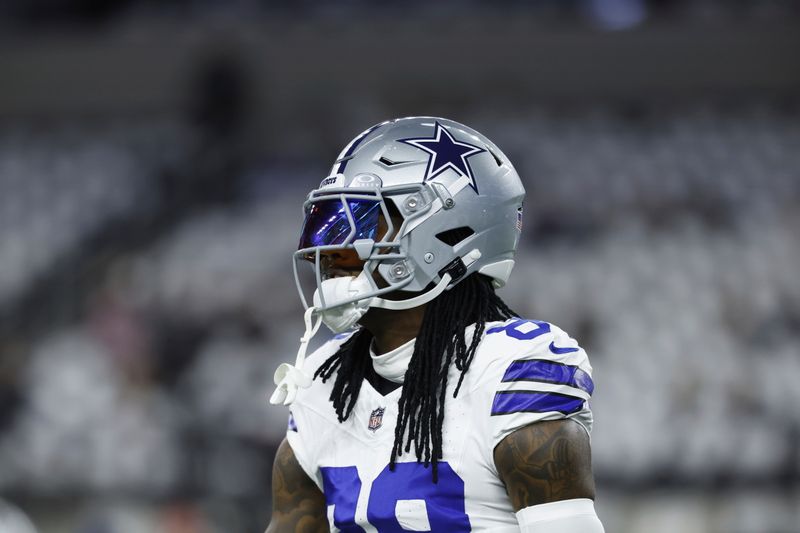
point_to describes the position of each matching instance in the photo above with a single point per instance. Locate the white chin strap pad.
(343, 317)
(566, 516)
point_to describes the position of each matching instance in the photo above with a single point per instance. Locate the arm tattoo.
(545, 462)
(297, 503)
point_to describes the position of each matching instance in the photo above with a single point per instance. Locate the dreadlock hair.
(440, 343)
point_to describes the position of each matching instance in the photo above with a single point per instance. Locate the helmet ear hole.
(454, 236)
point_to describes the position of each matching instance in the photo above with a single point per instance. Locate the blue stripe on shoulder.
(549, 372)
(510, 402)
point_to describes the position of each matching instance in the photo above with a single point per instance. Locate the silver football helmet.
(423, 202)
(450, 199)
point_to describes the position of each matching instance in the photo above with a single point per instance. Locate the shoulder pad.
(534, 371)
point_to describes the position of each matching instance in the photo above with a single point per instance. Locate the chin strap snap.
(290, 378)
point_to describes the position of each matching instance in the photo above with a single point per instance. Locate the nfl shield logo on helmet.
(376, 419)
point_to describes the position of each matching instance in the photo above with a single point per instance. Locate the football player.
(435, 407)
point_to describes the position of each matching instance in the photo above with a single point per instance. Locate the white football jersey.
(524, 371)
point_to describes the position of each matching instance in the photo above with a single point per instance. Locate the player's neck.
(392, 329)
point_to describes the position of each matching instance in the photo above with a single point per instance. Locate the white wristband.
(566, 516)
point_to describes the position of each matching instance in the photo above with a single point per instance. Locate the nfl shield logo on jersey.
(376, 419)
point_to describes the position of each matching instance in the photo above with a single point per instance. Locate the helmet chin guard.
(342, 317)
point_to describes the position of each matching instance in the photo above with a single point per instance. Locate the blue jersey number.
(342, 486)
(444, 501)
(522, 329)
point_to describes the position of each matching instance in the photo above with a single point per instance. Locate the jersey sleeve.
(298, 431)
(539, 373)
(307, 427)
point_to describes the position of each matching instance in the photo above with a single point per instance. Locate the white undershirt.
(392, 365)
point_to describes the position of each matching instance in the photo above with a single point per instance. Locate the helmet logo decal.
(446, 152)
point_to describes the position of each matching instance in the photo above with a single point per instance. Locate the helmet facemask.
(359, 222)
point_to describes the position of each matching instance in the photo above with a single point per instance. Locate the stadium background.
(153, 158)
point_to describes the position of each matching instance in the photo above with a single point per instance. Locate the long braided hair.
(440, 343)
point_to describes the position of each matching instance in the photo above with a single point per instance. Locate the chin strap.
(290, 378)
(462, 265)
(398, 305)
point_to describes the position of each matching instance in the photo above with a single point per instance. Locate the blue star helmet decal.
(446, 152)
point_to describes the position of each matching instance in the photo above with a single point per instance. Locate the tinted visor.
(327, 223)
